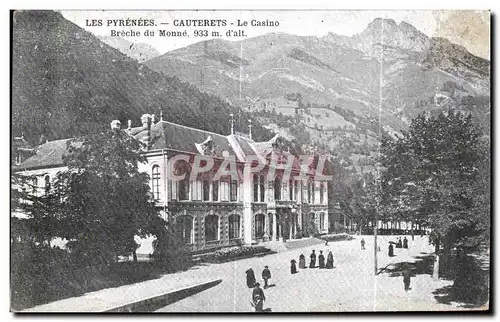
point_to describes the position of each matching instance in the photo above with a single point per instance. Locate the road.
(350, 286)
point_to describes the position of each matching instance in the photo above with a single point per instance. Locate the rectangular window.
(173, 190)
(215, 190)
(206, 190)
(196, 190)
(262, 188)
(155, 184)
(255, 188)
(313, 192)
(224, 191)
(234, 190)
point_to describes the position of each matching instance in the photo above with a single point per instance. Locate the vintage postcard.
(250, 161)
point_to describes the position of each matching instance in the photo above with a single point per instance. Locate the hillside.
(138, 51)
(343, 82)
(66, 82)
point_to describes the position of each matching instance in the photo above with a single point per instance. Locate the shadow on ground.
(471, 284)
(423, 265)
(470, 288)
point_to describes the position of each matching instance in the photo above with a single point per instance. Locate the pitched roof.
(49, 154)
(166, 135)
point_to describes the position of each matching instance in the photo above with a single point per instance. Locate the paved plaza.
(350, 286)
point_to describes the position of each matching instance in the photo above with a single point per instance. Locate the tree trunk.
(446, 253)
(134, 254)
(435, 272)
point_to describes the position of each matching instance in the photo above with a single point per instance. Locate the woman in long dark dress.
(250, 277)
(293, 267)
(302, 261)
(329, 260)
(391, 250)
(321, 259)
(312, 263)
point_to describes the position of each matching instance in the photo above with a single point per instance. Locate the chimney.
(129, 125)
(250, 129)
(115, 125)
(152, 119)
(146, 127)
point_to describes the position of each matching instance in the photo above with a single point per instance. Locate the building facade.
(215, 190)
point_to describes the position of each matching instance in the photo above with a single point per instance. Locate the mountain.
(66, 82)
(137, 51)
(336, 84)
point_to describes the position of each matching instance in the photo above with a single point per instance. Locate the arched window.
(321, 193)
(290, 189)
(47, 185)
(234, 226)
(296, 190)
(184, 229)
(211, 228)
(262, 188)
(183, 185)
(259, 225)
(277, 188)
(155, 185)
(322, 221)
(255, 188)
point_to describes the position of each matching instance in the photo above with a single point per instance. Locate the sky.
(470, 29)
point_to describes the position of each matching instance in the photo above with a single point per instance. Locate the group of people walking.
(258, 296)
(399, 244)
(312, 262)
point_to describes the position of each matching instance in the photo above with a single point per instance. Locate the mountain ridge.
(338, 79)
(66, 82)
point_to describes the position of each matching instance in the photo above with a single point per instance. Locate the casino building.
(282, 200)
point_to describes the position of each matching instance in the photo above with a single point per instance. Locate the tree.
(104, 200)
(438, 173)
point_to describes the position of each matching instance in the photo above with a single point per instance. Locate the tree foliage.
(438, 173)
(104, 200)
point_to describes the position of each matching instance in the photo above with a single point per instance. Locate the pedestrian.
(293, 267)
(326, 242)
(391, 250)
(405, 243)
(312, 263)
(302, 261)
(407, 278)
(362, 243)
(258, 298)
(399, 244)
(266, 275)
(250, 277)
(329, 261)
(321, 259)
